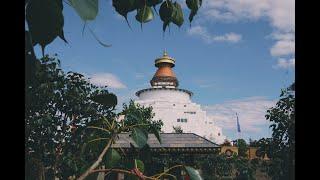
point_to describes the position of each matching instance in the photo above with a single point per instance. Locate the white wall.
(169, 105)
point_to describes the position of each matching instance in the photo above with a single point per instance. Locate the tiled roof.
(169, 140)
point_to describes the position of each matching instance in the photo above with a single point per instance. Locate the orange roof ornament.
(164, 76)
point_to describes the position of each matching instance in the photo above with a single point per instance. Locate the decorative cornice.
(163, 88)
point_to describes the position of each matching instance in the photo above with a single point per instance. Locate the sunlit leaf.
(144, 15)
(139, 164)
(193, 174)
(177, 15)
(86, 9)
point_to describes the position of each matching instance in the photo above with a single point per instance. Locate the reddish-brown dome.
(165, 71)
(164, 76)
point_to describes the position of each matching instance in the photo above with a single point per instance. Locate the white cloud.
(285, 64)
(251, 112)
(209, 38)
(279, 13)
(283, 48)
(107, 79)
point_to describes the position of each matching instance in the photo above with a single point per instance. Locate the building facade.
(173, 105)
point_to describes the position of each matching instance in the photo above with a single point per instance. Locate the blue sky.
(235, 58)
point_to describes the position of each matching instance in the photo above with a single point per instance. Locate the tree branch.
(98, 161)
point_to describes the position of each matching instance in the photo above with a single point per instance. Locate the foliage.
(281, 147)
(177, 129)
(136, 114)
(242, 147)
(45, 18)
(58, 109)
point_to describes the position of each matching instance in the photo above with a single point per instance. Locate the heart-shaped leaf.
(156, 133)
(193, 174)
(123, 7)
(139, 136)
(144, 15)
(86, 9)
(193, 5)
(165, 12)
(139, 165)
(177, 15)
(45, 21)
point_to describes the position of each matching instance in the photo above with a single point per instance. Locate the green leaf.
(153, 2)
(144, 15)
(193, 5)
(156, 133)
(86, 9)
(165, 12)
(112, 158)
(139, 165)
(177, 15)
(193, 174)
(139, 136)
(45, 21)
(123, 7)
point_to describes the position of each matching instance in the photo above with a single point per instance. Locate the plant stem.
(98, 161)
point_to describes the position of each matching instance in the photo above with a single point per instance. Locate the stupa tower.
(173, 105)
(164, 76)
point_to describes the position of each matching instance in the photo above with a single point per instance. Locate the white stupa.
(174, 106)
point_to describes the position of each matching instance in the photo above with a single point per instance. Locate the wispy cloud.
(285, 63)
(139, 75)
(203, 33)
(251, 112)
(107, 79)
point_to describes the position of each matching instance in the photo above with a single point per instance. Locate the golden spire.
(165, 53)
(165, 59)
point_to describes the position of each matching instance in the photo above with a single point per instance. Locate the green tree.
(242, 147)
(282, 146)
(135, 114)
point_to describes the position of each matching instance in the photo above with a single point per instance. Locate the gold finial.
(165, 53)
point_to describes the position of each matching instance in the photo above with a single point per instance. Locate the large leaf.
(139, 136)
(156, 133)
(112, 158)
(108, 100)
(139, 165)
(193, 5)
(165, 12)
(144, 15)
(123, 7)
(153, 2)
(45, 21)
(177, 15)
(193, 174)
(86, 9)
